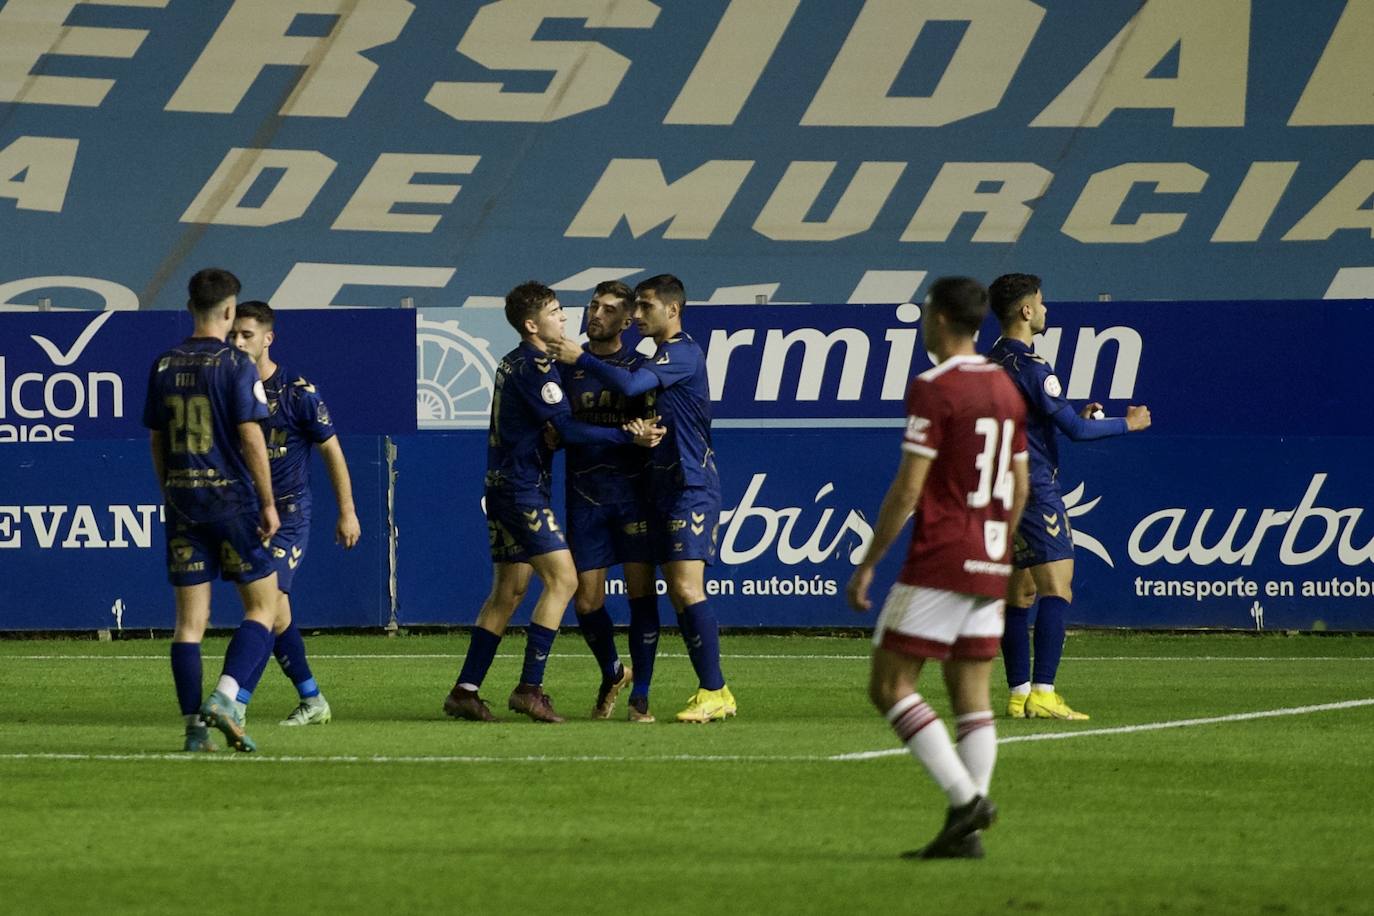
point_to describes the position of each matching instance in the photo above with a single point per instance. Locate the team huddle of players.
(232, 431)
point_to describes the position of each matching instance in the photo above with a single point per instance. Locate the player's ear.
(269, 338)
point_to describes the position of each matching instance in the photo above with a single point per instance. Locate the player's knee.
(586, 602)
(684, 595)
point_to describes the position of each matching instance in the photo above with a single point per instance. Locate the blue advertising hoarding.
(808, 150)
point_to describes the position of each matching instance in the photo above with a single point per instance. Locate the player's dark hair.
(962, 300)
(259, 311)
(525, 301)
(666, 289)
(211, 286)
(1007, 291)
(614, 288)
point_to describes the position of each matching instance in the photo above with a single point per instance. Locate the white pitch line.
(684, 758)
(1144, 727)
(456, 655)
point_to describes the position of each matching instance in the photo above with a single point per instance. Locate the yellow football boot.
(705, 706)
(1046, 704)
(1016, 705)
(731, 707)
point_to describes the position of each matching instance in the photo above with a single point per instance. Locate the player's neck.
(535, 341)
(1021, 332)
(211, 330)
(961, 348)
(669, 332)
(266, 367)
(607, 347)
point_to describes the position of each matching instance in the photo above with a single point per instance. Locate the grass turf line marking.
(685, 758)
(752, 657)
(1144, 727)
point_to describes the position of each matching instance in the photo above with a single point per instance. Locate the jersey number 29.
(191, 428)
(996, 441)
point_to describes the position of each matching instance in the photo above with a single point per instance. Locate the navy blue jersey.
(675, 380)
(603, 475)
(1046, 410)
(684, 458)
(298, 419)
(198, 394)
(529, 394)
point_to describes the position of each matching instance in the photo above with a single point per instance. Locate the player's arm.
(346, 529)
(155, 441)
(630, 382)
(254, 447)
(578, 433)
(1020, 489)
(898, 505)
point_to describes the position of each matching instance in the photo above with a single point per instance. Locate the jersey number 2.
(191, 428)
(996, 441)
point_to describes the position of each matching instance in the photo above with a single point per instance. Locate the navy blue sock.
(477, 662)
(1049, 638)
(538, 644)
(186, 674)
(247, 687)
(1016, 646)
(248, 650)
(290, 651)
(643, 642)
(702, 635)
(599, 632)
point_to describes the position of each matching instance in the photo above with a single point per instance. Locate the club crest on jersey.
(551, 393)
(1052, 386)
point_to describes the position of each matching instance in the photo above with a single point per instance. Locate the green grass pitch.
(392, 808)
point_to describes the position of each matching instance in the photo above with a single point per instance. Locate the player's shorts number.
(996, 441)
(192, 429)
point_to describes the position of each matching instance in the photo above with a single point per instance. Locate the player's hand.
(856, 592)
(565, 350)
(551, 437)
(1087, 412)
(268, 522)
(347, 530)
(647, 433)
(1137, 417)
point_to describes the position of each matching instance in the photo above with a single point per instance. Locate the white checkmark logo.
(66, 359)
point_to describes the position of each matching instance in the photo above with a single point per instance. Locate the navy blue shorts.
(203, 551)
(1044, 535)
(521, 527)
(289, 543)
(606, 536)
(685, 526)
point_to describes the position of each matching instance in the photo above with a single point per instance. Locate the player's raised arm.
(629, 382)
(346, 529)
(898, 505)
(577, 433)
(1079, 429)
(255, 456)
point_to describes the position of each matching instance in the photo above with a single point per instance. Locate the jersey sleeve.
(673, 364)
(625, 381)
(154, 411)
(312, 415)
(925, 413)
(250, 400)
(541, 387)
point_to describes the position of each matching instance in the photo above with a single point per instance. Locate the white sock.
(921, 730)
(193, 721)
(1021, 690)
(316, 700)
(228, 686)
(1043, 688)
(978, 747)
(472, 687)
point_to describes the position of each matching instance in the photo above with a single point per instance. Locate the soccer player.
(682, 484)
(606, 525)
(963, 473)
(1044, 540)
(297, 420)
(525, 536)
(204, 404)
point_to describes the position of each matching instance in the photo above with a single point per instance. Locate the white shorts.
(933, 623)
